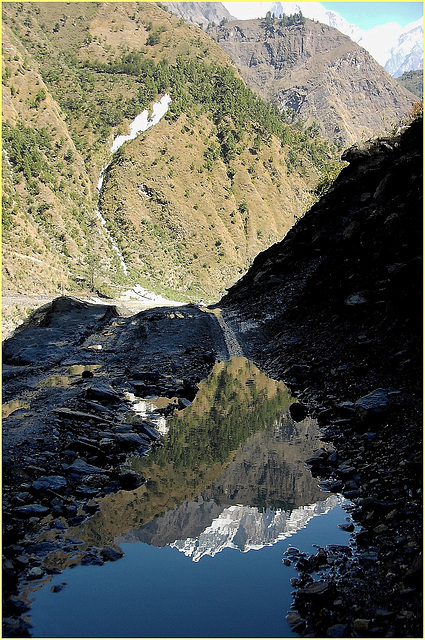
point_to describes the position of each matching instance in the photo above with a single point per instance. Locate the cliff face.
(201, 13)
(347, 276)
(316, 74)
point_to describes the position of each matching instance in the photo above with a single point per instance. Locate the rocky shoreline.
(70, 379)
(376, 463)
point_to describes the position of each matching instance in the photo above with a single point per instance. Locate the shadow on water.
(230, 475)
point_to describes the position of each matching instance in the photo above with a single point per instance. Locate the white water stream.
(141, 123)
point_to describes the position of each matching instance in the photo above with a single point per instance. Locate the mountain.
(199, 13)
(353, 265)
(184, 207)
(396, 48)
(407, 52)
(247, 529)
(413, 81)
(315, 74)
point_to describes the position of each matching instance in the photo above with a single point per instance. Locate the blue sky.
(369, 14)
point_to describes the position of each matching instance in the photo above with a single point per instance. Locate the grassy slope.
(198, 234)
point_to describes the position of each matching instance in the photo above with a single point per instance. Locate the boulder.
(31, 510)
(49, 482)
(81, 468)
(129, 441)
(111, 554)
(104, 394)
(373, 405)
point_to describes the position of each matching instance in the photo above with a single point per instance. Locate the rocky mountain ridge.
(317, 75)
(394, 47)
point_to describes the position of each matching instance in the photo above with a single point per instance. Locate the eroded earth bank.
(334, 310)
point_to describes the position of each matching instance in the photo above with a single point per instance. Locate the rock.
(150, 431)
(111, 554)
(298, 411)
(316, 592)
(414, 574)
(91, 559)
(184, 403)
(35, 573)
(18, 604)
(373, 405)
(31, 510)
(96, 480)
(355, 299)
(148, 376)
(130, 479)
(81, 468)
(70, 510)
(361, 625)
(337, 631)
(295, 621)
(103, 394)
(15, 628)
(129, 441)
(49, 482)
(65, 412)
(57, 587)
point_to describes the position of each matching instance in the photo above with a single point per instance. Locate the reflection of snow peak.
(246, 528)
(143, 122)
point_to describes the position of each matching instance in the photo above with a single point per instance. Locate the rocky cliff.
(316, 74)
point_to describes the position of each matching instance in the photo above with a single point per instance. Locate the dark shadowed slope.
(335, 309)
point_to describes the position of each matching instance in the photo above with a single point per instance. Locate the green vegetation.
(224, 163)
(198, 87)
(413, 81)
(25, 147)
(234, 402)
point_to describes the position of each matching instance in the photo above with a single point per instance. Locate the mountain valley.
(283, 374)
(221, 163)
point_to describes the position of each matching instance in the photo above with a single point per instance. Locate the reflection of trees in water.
(235, 444)
(237, 401)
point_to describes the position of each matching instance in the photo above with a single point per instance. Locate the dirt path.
(232, 343)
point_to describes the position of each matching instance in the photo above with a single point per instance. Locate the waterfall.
(139, 124)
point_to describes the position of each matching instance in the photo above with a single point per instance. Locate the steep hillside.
(49, 228)
(413, 81)
(189, 204)
(315, 74)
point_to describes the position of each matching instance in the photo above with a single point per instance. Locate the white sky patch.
(143, 122)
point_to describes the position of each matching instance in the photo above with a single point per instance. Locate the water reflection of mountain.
(236, 445)
(247, 528)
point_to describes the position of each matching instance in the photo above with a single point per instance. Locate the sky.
(369, 14)
(365, 15)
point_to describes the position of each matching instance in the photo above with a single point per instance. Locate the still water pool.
(204, 537)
